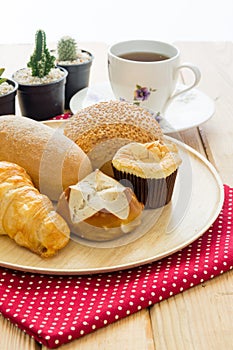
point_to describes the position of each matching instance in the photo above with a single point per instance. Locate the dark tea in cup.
(144, 56)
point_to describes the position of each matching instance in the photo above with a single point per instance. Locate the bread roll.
(101, 129)
(52, 160)
(27, 216)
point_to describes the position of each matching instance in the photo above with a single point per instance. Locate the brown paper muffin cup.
(153, 193)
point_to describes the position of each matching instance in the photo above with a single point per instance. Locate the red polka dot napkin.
(62, 116)
(57, 309)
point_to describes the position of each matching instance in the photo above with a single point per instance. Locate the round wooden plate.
(196, 202)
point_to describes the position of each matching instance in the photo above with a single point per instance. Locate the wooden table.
(202, 317)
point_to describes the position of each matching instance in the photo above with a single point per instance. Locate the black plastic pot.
(44, 101)
(7, 102)
(78, 78)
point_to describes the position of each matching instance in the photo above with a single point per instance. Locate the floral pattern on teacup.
(142, 93)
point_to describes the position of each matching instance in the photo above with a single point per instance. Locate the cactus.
(2, 80)
(67, 49)
(41, 62)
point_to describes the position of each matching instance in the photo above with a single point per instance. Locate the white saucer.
(188, 110)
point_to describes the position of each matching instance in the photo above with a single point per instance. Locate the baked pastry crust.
(52, 160)
(109, 120)
(101, 129)
(27, 216)
(98, 219)
(107, 220)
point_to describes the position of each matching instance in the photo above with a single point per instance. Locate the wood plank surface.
(216, 63)
(131, 333)
(12, 338)
(198, 319)
(202, 317)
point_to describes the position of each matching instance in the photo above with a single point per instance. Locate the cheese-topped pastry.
(150, 160)
(151, 168)
(100, 208)
(95, 193)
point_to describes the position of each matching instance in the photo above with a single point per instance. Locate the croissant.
(27, 216)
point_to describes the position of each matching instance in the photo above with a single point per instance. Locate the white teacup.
(145, 72)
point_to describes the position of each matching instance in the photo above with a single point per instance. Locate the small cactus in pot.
(2, 80)
(41, 91)
(67, 49)
(78, 64)
(8, 91)
(41, 62)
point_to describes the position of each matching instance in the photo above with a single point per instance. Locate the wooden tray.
(197, 200)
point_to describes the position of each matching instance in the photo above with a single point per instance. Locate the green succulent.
(2, 80)
(67, 49)
(41, 61)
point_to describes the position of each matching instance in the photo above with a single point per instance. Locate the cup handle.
(197, 77)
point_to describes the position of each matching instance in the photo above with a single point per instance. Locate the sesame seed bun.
(101, 129)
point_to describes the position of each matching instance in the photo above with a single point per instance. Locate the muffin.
(99, 208)
(101, 129)
(150, 169)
